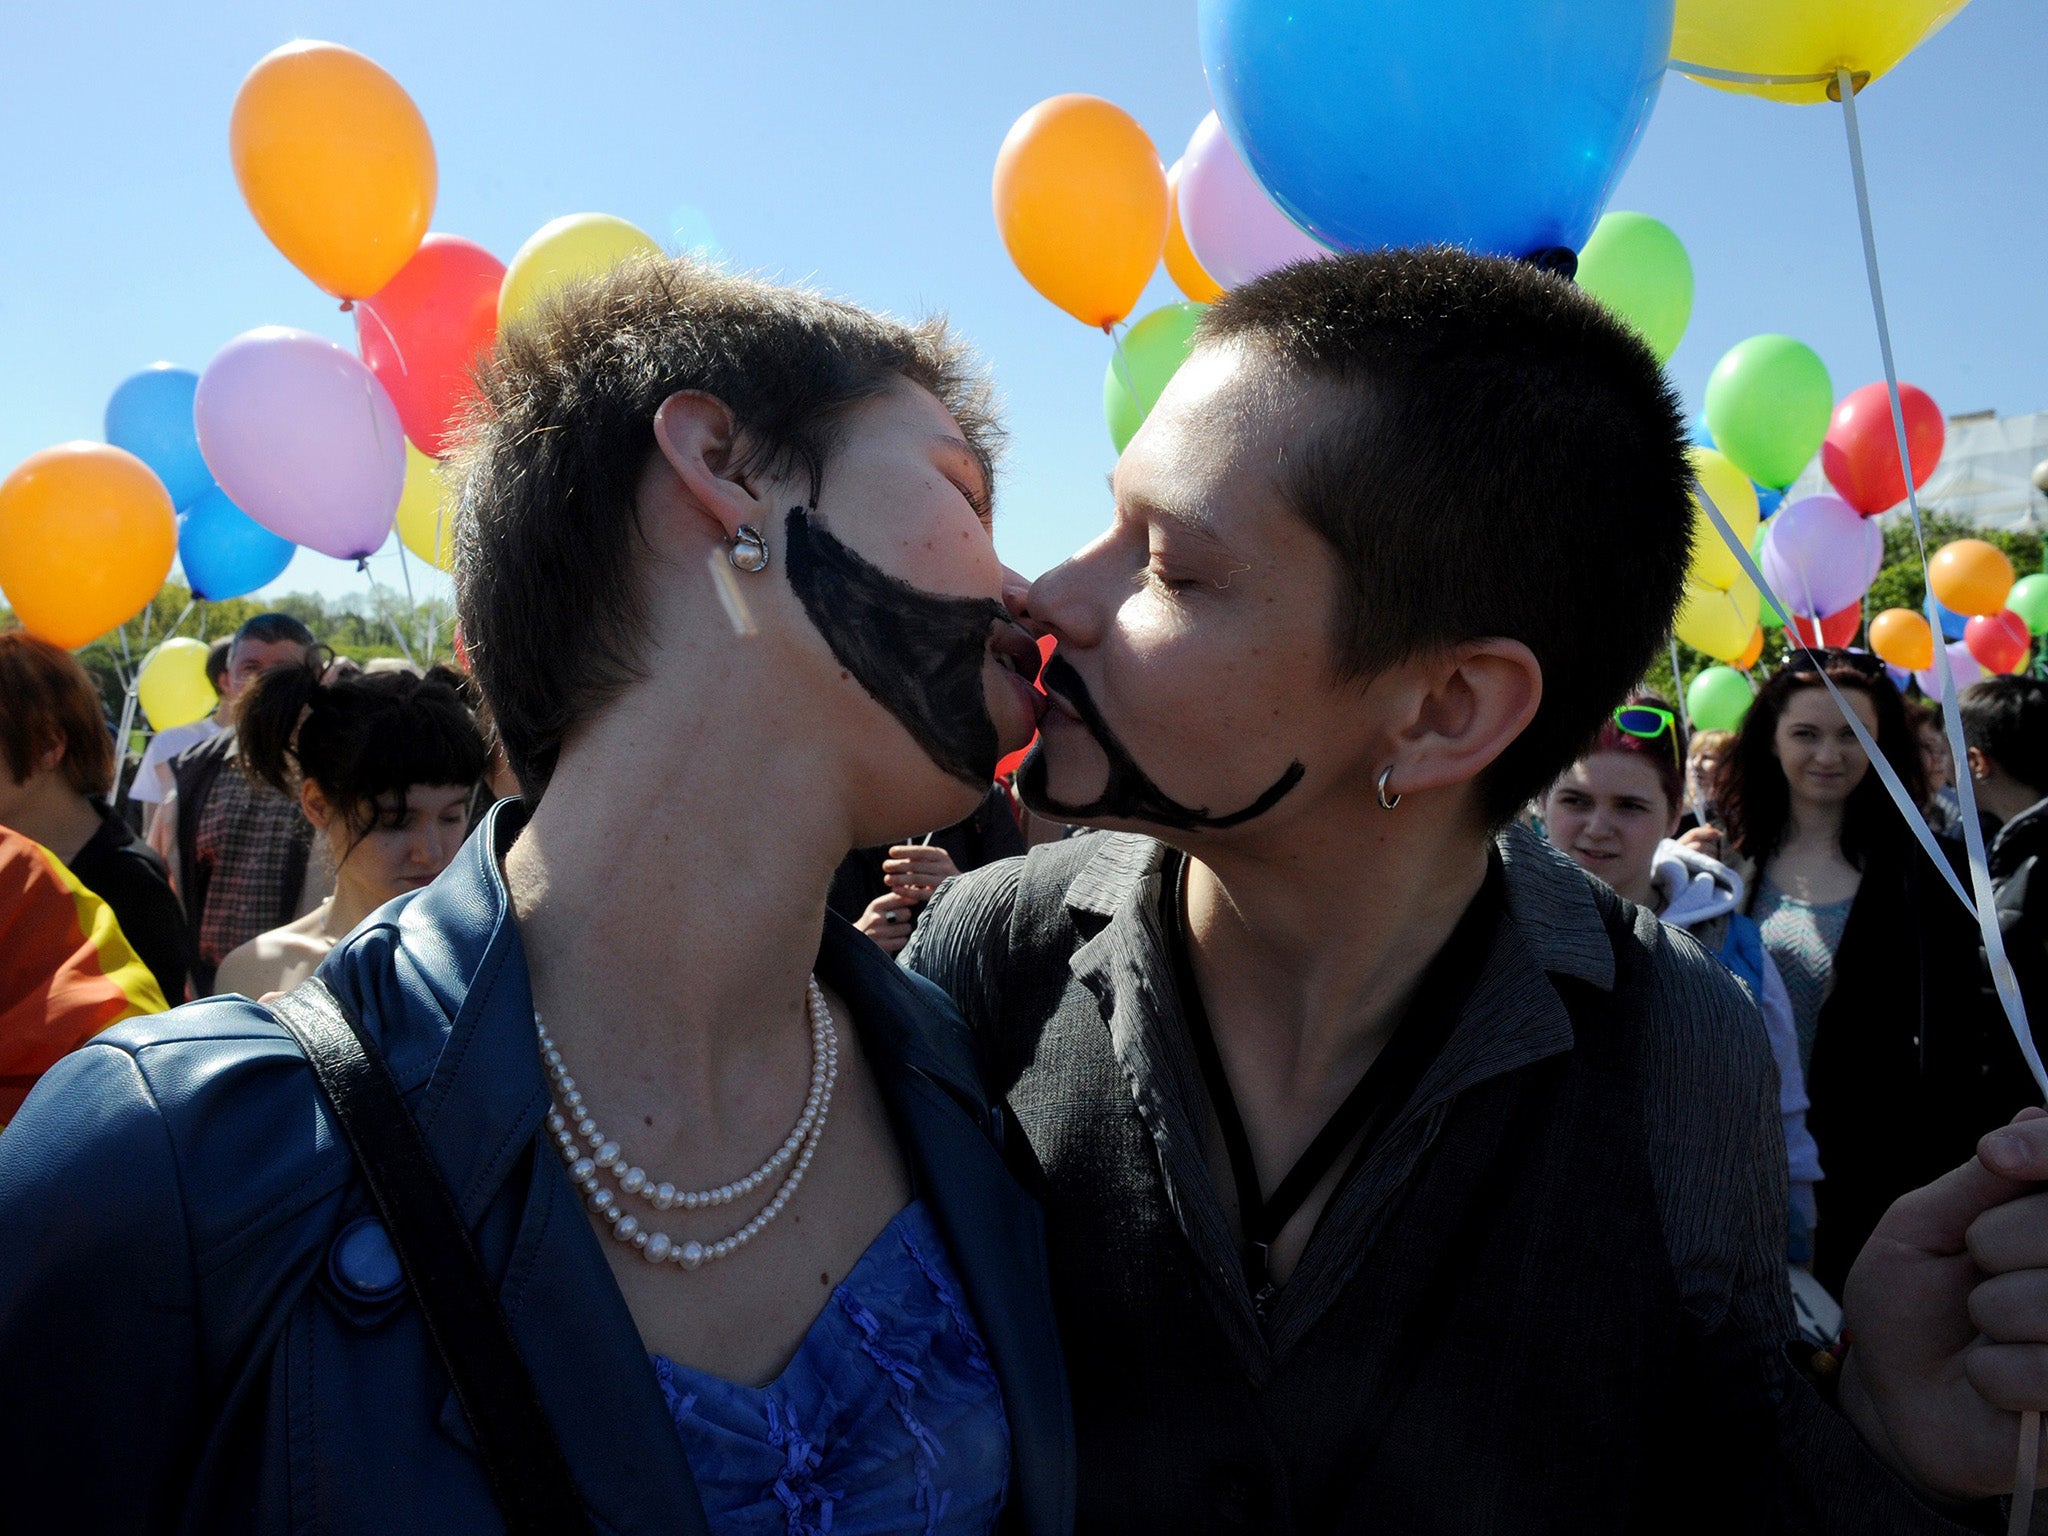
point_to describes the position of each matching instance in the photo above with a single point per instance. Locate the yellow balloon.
(1718, 622)
(426, 511)
(1802, 37)
(1081, 203)
(173, 687)
(335, 161)
(1188, 274)
(86, 537)
(577, 245)
(1713, 563)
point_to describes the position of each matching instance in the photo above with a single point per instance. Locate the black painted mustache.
(918, 654)
(1129, 794)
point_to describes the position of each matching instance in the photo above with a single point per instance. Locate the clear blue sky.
(851, 145)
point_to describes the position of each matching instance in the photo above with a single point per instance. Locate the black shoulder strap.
(529, 1477)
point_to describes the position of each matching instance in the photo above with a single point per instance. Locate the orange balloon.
(1181, 264)
(86, 538)
(1903, 638)
(334, 160)
(1081, 202)
(1752, 652)
(1970, 576)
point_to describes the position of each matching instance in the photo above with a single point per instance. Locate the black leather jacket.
(186, 1344)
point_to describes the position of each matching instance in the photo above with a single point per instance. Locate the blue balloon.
(1499, 125)
(225, 552)
(150, 414)
(1701, 434)
(1951, 622)
(1767, 500)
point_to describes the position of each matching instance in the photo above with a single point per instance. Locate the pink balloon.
(1233, 228)
(1821, 555)
(303, 438)
(1961, 664)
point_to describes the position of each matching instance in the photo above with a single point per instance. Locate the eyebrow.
(984, 472)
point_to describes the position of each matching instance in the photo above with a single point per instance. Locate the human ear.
(1469, 704)
(697, 439)
(315, 804)
(1980, 765)
(51, 758)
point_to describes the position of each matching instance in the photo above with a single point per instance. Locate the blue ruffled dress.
(887, 1419)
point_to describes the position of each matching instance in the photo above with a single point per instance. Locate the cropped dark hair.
(2006, 718)
(548, 582)
(47, 697)
(1755, 801)
(269, 628)
(1500, 457)
(219, 658)
(359, 738)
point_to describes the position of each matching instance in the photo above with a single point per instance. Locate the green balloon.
(1766, 615)
(2029, 599)
(1718, 699)
(1768, 404)
(1638, 268)
(1152, 352)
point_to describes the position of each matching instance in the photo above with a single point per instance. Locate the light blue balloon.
(150, 414)
(1702, 435)
(225, 552)
(1499, 125)
(1767, 500)
(1952, 623)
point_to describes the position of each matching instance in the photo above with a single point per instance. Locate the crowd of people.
(1365, 1070)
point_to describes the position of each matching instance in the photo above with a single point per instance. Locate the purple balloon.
(1234, 229)
(304, 439)
(1966, 669)
(1821, 555)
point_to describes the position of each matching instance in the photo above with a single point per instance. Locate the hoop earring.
(749, 551)
(1387, 803)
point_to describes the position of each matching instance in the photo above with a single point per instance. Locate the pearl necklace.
(570, 1119)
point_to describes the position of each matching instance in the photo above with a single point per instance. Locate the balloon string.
(1123, 367)
(369, 309)
(1739, 77)
(1685, 717)
(384, 613)
(129, 696)
(1966, 792)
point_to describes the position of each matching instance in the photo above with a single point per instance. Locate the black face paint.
(919, 655)
(1129, 793)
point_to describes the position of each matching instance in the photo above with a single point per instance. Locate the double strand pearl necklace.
(570, 1120)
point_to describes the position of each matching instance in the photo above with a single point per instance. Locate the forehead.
(265, 651)
(1619, 773)
(908, 418)
(1815, 706)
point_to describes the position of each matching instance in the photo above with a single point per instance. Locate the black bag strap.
(528, 1474)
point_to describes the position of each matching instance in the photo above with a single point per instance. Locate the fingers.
(2018, 1150)
(2012, 1308)
(1937, 1218)
(2009, 1376)
(2011, 1237)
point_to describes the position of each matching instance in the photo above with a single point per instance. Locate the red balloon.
(421, 333)
(1999, 640)
(1837, 629)
(1860, 454)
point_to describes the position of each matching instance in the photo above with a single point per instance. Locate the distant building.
(1986, 474)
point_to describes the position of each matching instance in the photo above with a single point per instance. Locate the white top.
(154, 786)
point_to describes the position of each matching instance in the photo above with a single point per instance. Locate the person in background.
(1905, 1068)
(1939, 803)
(1704, 755)
(66, 973)
(56, 766)
(1615, 811)
(383, 766)
(241, 854)
(152, 784)
(2005, 731)
(881, 890)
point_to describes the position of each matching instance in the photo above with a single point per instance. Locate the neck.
(1329, 925)
(1814, 821)
(55, 815)
(670, 890)
(2004, 797)
(351, 902)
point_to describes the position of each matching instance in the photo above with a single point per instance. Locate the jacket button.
(363, 1262)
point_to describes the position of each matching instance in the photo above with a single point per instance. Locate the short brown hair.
(549, 591)
(46, 697)
(1502, 457)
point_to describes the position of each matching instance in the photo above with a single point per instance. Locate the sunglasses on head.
(1644, 720)
(1862, 662)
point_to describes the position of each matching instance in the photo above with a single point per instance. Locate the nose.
(1067, 602)
(1016, 594)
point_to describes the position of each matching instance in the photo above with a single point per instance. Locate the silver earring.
(749, 551)
(1387, 802)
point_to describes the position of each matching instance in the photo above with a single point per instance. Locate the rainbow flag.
(66, 971)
